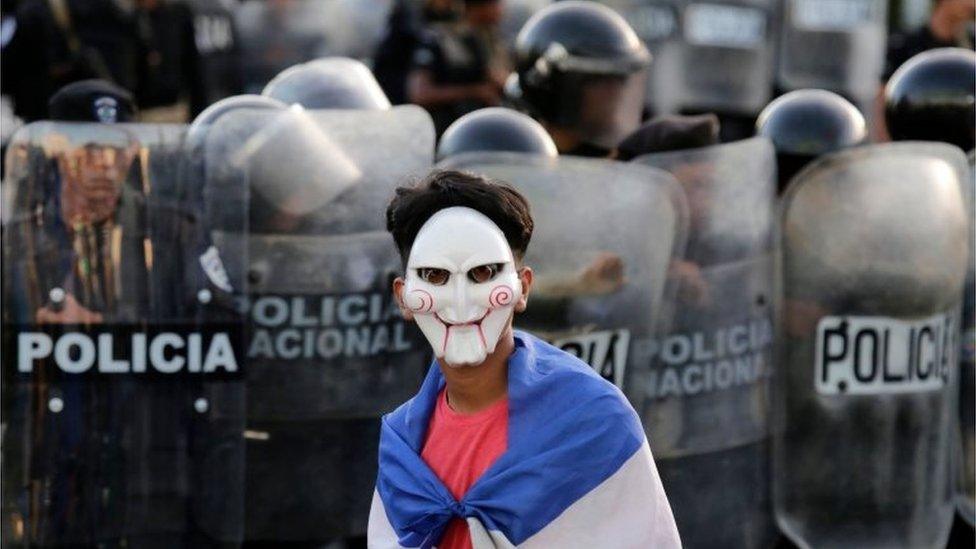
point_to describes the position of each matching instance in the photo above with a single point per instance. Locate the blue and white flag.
(578, 471)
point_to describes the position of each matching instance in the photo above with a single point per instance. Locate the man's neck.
(471, 389)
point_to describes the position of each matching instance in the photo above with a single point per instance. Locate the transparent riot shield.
(838, 45)
(600, 253)
(356, 27)
(328, 352)
(277, 35)
(873, 244)
(516, 13)
(122, 411)
(726, 56)
(966, 501)
(705, 404)
(657, 23)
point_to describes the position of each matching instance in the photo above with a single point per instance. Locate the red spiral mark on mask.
(500, 296)
(426, 301)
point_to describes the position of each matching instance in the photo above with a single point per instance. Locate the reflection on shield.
(600, 254)
(327, 351)
(873, 265)
(838, 45)
(119, 428)
(706, 402)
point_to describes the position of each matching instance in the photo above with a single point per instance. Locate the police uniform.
(453, 56)
(392, 59)
(168, 73)
(41, 56)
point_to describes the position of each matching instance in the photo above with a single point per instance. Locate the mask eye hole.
(484, 273)
(436, 277)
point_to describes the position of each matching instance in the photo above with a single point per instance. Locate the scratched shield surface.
(328, 352)
(123, 403)
(873, 264)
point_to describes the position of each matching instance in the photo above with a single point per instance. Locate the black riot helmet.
(495, 129)
(931, 98)
(582, 68)
(328, 83)
(197, 131)
(805, 124)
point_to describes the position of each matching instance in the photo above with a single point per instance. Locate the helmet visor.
(609, 108)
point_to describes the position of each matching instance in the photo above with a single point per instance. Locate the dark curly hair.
(413, 205)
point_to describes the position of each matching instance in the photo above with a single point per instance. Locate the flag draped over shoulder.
(578, 470)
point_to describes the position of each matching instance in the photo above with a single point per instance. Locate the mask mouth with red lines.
(461, 285)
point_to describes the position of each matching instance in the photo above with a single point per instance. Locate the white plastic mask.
(461, 284)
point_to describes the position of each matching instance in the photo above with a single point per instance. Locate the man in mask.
(510, 440)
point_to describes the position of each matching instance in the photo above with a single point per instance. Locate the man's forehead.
(457, 236)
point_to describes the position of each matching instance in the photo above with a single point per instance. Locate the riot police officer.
(931, 98)
(581, 73)
(806, 124)
(949, 25)
(128, 458)
(316, 177)
(495, 129)
(404, 30)
(459, 67)
(56, 43)
(218, 45)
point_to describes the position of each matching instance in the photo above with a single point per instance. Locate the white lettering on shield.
(726, 358)
(308, 327)
(165, 353)
(605, 352)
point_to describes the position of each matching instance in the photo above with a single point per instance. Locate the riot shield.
(277, 35)
(122, 413)
(966, 501)
(656, 22)
(725, 59)
(600, 253)
(516, 13)
(705, 405)
(873, 244)
(328, 351)
(356, 28)
(837, 45)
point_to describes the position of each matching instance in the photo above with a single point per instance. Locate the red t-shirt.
(459, 448)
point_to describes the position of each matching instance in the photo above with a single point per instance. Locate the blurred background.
(729, 195)
(177, 58)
